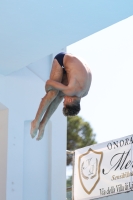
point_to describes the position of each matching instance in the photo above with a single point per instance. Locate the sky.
(108, 107)
(29, 31)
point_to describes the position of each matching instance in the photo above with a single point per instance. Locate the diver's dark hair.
(71, 110)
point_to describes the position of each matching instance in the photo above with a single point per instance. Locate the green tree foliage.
(69, 181)
(79, 134)
(69, 185)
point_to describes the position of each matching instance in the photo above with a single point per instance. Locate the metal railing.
(71, 189)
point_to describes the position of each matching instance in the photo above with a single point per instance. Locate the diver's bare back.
(78, 74)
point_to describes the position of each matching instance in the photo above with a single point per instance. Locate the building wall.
(3, 149)
(35, 169)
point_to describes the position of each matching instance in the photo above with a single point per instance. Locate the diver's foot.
(34, 128)
(41, 132)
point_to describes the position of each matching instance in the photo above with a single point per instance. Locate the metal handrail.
(69, 189)
(69, 152)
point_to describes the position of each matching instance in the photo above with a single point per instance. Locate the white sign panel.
(104, 169)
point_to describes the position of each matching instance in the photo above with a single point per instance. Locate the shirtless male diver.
(70, 78)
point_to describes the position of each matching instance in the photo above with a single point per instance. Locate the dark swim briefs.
(59, 57)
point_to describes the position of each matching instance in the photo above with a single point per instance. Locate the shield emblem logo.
(89, 169)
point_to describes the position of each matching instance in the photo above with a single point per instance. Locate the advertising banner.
(104, 169)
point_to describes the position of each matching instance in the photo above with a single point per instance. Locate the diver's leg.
(51, 109)
(56, 75)
(46, 101)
